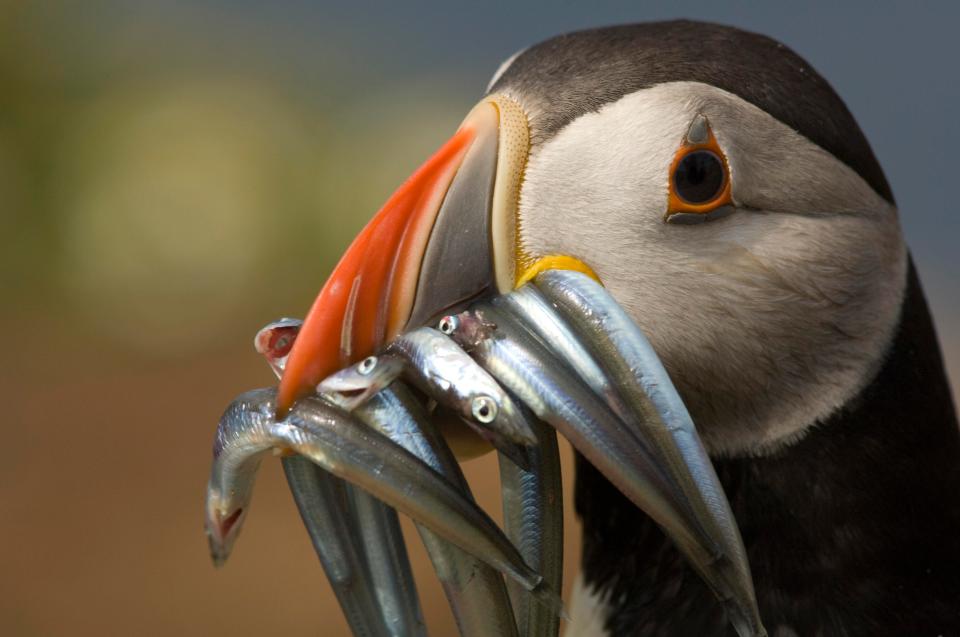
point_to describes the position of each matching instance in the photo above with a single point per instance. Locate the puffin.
(722, 192)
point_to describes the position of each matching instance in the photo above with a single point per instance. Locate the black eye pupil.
(698, 177)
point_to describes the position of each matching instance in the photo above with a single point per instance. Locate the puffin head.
(708, 177)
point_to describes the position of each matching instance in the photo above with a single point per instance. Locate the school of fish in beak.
(556, 355)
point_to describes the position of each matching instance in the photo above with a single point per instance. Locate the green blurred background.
(174, 175)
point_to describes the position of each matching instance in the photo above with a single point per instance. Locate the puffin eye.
(699, 178)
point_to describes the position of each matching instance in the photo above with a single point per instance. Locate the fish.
(447, 374)
(533, 498)
(388, 565)
(371, 528)
(658, 415)
(557, 396)
(275, 340)
(541, 319)
(476, 592)
(332, 439)
(333, 530)
(533, 520)
(354, 385)
(350, 386)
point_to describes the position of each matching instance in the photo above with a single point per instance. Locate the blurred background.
(175, 175)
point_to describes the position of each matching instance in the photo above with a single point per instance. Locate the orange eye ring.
(700, 167)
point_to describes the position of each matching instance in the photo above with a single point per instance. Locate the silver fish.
(318, 499)
(476, 592)
(532, 507)
(275, 340)
(659, 415)
(558, 397)
(333, 440)
(322, 500)
(448, 375)
(533, 520)
(533, 498)
(354, 385)
(529, 305)
(372, 528)
(350, 386)
(333, 530)
(388, 565)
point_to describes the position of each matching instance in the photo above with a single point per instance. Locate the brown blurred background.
(174, 175)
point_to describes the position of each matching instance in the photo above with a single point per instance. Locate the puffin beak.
(443, 239)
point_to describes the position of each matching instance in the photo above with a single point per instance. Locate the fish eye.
(699, 177)
(448, 325)
(367, 365)
(484, 409)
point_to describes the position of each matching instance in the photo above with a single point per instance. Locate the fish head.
(354, 385)
(225, 517)
(275, 341)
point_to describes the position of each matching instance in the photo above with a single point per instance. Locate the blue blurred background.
(174, 175)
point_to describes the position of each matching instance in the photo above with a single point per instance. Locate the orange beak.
(443, 239)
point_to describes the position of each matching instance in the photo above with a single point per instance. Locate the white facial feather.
(768, 320)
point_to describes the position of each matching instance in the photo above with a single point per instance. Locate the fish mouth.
(447, 240)
(222, 530)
